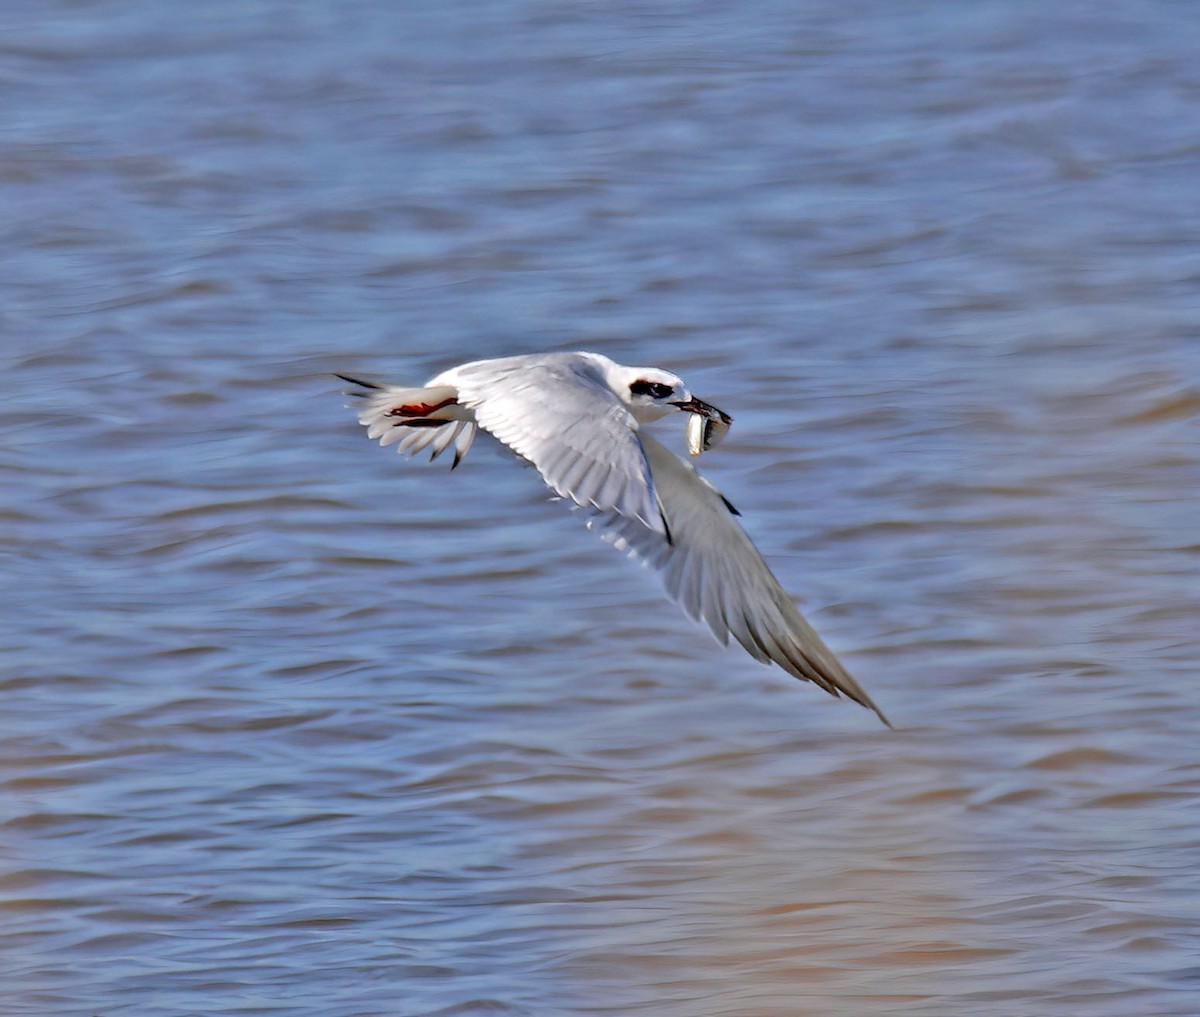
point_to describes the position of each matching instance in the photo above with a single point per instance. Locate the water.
(292, 726)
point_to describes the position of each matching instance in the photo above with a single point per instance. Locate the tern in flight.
(579, 419)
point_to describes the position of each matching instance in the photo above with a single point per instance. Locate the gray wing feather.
(557, 413)
(714, 571)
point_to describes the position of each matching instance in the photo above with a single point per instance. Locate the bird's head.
(651, 393)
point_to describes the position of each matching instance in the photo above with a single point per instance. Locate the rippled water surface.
(292, 726)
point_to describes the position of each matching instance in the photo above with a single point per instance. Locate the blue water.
(295, 726)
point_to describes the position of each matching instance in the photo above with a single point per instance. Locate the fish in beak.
(707, 425)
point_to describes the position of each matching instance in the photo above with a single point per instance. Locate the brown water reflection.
(293, 726)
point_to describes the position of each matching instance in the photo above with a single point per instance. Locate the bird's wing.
(414, 419)
(560, 416)
(716, 573)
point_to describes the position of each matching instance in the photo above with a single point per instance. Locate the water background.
(292, 726)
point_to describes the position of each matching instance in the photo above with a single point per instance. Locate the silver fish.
(706, 427)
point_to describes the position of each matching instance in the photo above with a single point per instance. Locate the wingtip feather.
(357, 381)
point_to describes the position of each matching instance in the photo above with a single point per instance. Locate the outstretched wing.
(716, 573)
(559, 414)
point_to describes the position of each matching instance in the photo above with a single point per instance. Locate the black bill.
(706, 410)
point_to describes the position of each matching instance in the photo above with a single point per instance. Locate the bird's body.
(578, 419)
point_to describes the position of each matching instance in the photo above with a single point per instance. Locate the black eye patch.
(653, 389)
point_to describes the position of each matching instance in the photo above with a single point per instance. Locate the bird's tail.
(414, 419)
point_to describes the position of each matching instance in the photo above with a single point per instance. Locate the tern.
(578, 419)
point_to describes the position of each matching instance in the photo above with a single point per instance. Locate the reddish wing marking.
(418, 409)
